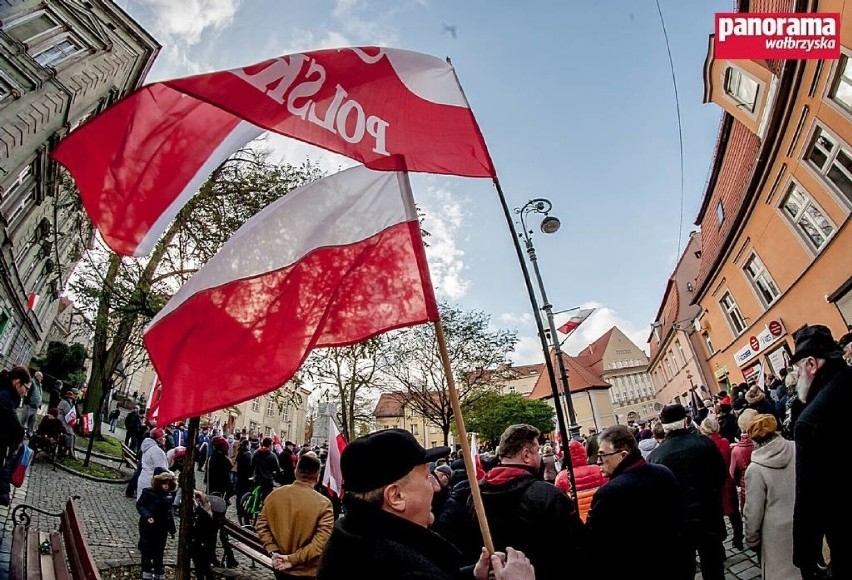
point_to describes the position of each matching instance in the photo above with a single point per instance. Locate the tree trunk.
(187, 488)
(446, 430)
(97, 381)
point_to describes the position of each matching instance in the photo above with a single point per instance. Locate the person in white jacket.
(770, 495)
(152, 457)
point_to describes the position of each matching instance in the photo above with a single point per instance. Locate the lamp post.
(549, 225)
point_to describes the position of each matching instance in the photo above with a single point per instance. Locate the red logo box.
(796, 36)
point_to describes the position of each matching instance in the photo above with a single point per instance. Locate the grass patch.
(94, 469)
(109, 446)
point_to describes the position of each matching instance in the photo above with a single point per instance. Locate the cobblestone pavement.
(110, 522)
(109, 519)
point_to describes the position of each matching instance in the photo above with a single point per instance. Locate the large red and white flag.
(139, 162)
(575, 321)
(332, 263)
(152, 409)
(333, 477)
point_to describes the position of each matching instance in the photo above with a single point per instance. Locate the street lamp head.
(550, 225)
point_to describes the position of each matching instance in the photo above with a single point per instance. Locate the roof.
(593, 354)
(389, 405)
(580, 377)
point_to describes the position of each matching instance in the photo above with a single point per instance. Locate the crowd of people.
(760, 456)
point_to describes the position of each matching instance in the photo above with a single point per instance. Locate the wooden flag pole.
(465, 444)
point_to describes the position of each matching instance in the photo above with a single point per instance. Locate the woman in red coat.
(730, 502)
(588, 478)
(741, 453)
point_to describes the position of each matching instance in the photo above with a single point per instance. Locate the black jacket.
(454, 523)
(821, 494)
(638, 492)
(700, 470)
(535, 517)
(728, 427)
(219, 475)
(11, 430)
(287, 475)
(371, 544)
(157, 504)
(265, 465)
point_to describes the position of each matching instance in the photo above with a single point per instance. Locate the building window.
(255, 405)
(17, 186)
(22, 205)
(57, 52)
(732, 312)
(761, 280)
(270, 407)
(833, 162)
(720, 213)
(742, 88)
(841, 92)
(31, 28)
(414, 430)
(807, 217)
(267, 431)
(680, 351)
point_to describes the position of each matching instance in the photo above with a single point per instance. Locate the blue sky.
(576, 104)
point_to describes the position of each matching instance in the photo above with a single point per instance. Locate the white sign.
(773, 331)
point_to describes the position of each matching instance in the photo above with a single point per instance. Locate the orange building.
(776, 249)
(678, 362)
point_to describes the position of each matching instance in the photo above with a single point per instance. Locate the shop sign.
(721, 373)
(768, 336)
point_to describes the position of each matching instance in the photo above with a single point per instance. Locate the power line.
(679, 125)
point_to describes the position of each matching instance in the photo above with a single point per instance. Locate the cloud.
(512, 318)
(602, 319)
(184, 21)
(352, 17)
(292, 151)
(444, 214)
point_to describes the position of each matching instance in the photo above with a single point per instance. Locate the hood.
(146, 445)
(776, 454)
(578, 454)
(648, 444)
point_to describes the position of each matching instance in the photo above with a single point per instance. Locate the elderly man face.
(411, 496)
(609, 458)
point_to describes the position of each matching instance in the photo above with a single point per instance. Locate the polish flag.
(32, 300)
(333, 477)
(474, 456)
(575, 321)
(153, 407)
(332, 263)
(140, 161)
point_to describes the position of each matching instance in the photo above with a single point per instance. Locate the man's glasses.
(602, 455)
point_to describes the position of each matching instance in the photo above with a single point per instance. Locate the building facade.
(393, 412)
(775, 237)
(61, 62)
(267, 415)
(678, 364)
(624, 366)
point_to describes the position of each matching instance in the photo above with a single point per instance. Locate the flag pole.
(548, 363)
(469, 467)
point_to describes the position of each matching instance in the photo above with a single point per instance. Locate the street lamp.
(549, 225)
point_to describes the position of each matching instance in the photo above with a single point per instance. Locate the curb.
(91, 477)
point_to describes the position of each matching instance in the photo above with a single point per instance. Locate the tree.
(349, 375)
(478, 354)
(122, 294)
(491, 413)
(64, 362)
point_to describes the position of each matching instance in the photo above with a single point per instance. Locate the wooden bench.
(68, 556)
(128, 456)
(244, 540)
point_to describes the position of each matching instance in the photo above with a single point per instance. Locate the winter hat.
(445, 469)
(745, 419)
(754, 395)
(762, 428)
(217, 504)
(709, 426)
(164, 476)
(220, 444)
(815, 341)
(672, 413)
(157, 434)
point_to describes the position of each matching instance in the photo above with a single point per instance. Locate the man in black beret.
(700, 470)
(824, 385)
(384, 533)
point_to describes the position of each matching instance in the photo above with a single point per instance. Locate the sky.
(576, 103)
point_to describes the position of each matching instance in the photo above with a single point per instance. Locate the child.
(155, 521)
